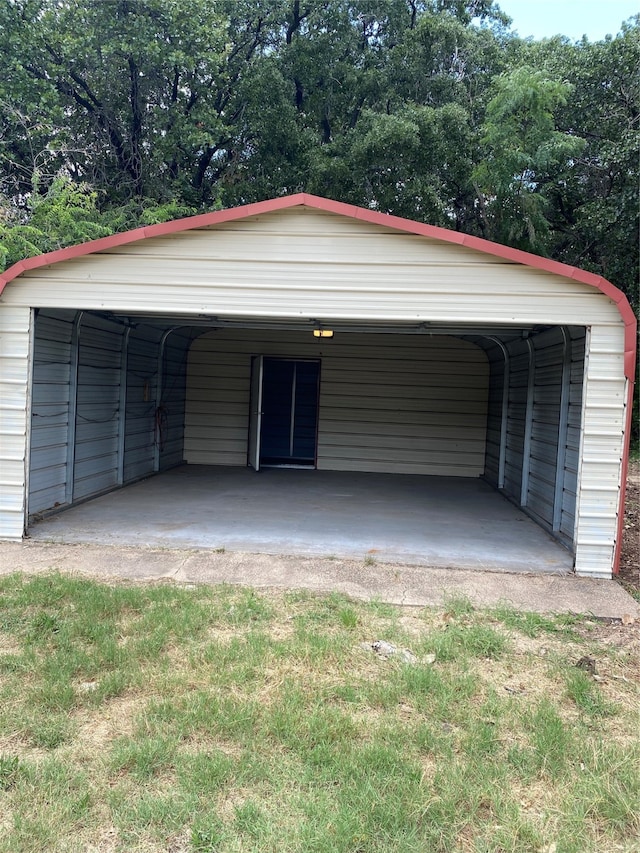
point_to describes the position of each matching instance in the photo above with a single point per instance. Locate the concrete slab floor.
(412, 520)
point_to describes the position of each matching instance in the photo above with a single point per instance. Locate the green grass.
(218, 720)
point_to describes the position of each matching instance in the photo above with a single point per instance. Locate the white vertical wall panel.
(604, 397)
(534, 457)
(50, 409)
(15, 326)
(391, 403)
(109, 417)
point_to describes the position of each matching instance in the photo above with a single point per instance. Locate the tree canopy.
(115, 113)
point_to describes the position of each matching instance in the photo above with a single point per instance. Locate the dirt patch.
(629, 575)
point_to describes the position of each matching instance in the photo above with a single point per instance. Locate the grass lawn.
(160, 718)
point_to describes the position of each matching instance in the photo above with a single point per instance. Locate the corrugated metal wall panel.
(494, 412)
(387, 402)
(98, 406)
(50, 409)
(15, 363)
(101, 457)
(599, 482)
(142, 378)
(516, 417)
(570, 482)
(174, 390)
(548, 351)
(542, 424)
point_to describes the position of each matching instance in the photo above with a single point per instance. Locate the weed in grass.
(233, 717)
(207, 834)
(49, 731)
(251, 820)
(9, 769)
(369, 560)
(42, 627)
(348, 617)
(523, 761)
(241, 661)
(587, 695)
(458, 605)
(513, 834)
(481, 740)
(143, 757)
(302, 728)
(323, 610)
(381, 609)
(550, 739)
(348, 693)
(316, 646)
(205, 773)
(54, 696)
(138, 812)
(455, 642)
(248, 607)
(530, 624)
(109, 686)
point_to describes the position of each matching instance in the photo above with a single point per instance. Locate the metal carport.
(488, 362)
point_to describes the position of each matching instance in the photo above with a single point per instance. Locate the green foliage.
(64, 214)
(524, 153)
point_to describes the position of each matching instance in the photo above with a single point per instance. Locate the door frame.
(254, 439)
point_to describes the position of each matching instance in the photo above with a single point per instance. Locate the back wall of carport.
(456, 326)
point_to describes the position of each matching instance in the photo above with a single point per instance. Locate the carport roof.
(408, 226)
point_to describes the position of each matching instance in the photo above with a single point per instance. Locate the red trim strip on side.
(624, 472)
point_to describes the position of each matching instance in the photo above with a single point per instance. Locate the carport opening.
(119, 398)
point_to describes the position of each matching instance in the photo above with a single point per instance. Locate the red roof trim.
(374, 217)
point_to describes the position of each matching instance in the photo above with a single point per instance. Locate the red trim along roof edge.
(384, 219)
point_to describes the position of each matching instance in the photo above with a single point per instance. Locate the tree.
(524, 157)
(594, 213)
(151, 88)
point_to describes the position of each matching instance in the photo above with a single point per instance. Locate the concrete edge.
(391, 583)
